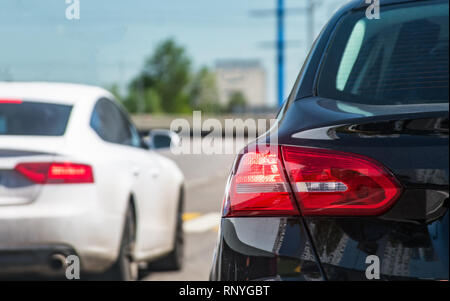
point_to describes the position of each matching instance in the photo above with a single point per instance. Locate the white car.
(77, 179)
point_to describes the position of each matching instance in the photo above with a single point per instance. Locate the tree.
(114, 89)
(167, 84)
(167, 72)
(237, 102)
(143, 101)
(204, 93)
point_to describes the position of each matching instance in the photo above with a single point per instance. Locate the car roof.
(59, 93)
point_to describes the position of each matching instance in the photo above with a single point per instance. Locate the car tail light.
(266, 182)
(10, 101)
(336, 183)
(258, 186)
(56, 172)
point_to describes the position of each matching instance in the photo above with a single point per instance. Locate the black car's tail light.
(336, 183)
(322, 182)
(258, 187)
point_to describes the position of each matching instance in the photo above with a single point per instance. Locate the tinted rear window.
(402, 58)
(33, 119)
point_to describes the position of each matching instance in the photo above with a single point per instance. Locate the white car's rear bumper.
(63, 220)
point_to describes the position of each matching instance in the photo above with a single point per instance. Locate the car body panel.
(265, 249)
(412, 141)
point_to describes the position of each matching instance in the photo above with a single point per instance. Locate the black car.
(357, 185)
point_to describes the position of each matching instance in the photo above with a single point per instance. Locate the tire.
(125, 269)
(174, 260)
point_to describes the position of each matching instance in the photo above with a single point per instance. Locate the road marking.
(203, 223)
(190, 216)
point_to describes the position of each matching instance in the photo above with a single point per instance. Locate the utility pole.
(280, 51)
(281, 12)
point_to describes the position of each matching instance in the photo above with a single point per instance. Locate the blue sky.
(113, 37)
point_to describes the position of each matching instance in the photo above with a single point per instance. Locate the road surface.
(206, 176)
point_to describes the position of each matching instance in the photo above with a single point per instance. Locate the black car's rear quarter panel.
(265, 248)
(411, 238)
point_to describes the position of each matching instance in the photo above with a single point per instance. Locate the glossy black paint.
(267, 248)
(411, 239)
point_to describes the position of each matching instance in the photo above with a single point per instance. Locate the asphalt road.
(206, 176)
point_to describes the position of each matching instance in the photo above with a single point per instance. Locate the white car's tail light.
(10, 101)
(56, 172)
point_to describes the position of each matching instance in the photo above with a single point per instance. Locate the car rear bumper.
(264, 249)
(41, 260)
(281, 249)
(76, 221)
(405, 251)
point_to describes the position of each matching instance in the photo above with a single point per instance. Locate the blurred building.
(245, 76)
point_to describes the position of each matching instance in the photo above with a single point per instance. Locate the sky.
(112, 38)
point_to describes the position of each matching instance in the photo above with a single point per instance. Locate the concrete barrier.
(147, 122)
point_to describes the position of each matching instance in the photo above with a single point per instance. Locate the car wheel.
(174, 260)
(125, 269)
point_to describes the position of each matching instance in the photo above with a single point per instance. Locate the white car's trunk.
(16, 189)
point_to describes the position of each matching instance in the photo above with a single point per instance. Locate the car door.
(143, 168)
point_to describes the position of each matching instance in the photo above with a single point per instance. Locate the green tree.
(143, 101)
(152, 101)
(237, 102)
(167, 72)
(204, 94)
(114, 90)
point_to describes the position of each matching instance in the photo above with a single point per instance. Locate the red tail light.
(259, 187)
(323, 183)
(56, 173)
(335, 183)
(10, 101)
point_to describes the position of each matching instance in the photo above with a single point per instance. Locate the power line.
(280, 13)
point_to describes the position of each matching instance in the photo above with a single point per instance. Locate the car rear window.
(33, 118)
(402, 58)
